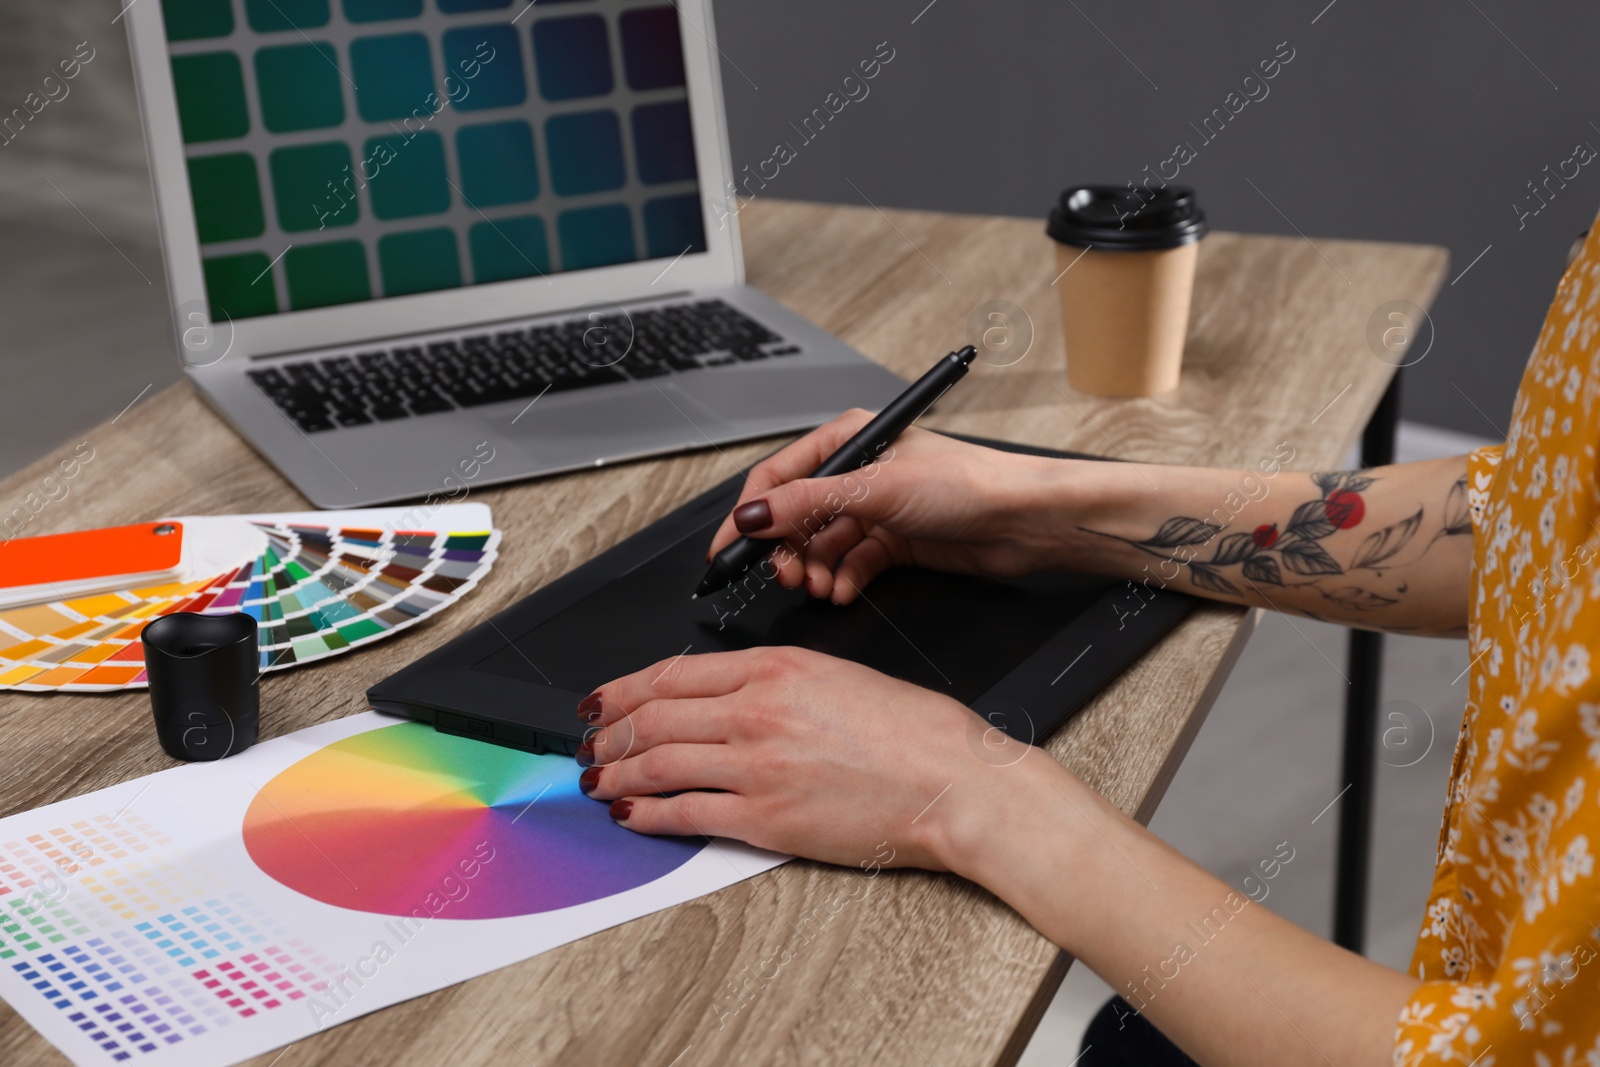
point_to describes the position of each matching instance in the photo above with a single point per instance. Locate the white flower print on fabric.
(1512, 926)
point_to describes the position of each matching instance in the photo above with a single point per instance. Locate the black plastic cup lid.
(1121, 219)
(185, 634)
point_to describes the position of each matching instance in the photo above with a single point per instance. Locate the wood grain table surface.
(907, 967)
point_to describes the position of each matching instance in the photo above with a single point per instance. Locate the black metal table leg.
(1365, 668)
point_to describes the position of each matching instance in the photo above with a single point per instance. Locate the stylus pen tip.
(708, 586)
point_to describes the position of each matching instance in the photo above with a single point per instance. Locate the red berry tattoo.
(1203, 548)
(1346, 508)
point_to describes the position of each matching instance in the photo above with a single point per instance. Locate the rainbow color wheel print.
(404, 820)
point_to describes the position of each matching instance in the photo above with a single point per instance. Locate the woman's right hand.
(928, 501)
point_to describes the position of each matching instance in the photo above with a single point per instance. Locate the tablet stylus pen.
(867, 445)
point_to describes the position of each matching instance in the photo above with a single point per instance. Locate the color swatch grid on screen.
(314, 591)
(343, 150)
(429, 825)
(129, 948)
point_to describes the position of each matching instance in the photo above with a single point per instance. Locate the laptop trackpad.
(610, 424)
(795, 394)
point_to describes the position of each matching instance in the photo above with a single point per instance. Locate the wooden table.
(925, 969)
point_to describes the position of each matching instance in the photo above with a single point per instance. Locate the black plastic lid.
(1120, 219)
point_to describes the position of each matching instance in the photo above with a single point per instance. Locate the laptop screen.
(347, 150)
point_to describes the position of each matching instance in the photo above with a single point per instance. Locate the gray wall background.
(1415, 122)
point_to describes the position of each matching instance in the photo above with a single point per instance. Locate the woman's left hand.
(793, 751)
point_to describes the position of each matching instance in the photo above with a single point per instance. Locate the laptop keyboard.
(414, 380)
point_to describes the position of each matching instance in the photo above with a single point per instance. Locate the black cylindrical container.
(203, 688)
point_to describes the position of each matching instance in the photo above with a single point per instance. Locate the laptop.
(414, 246)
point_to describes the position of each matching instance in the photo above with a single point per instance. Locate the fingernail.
(621, 809)
(589, 780)
(585, 753)
(756, 515)
(589, 707)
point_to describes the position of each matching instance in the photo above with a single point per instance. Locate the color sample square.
(509, 248)
(270, 16)
(192, 20)
(303, 179)
(572, 57)
(652, 53)
(663, 142)
(418, 262)
(673, 226)
(404, 62)
(484, 65)
(210, 91)
(393, 76)
(238, 287)
(411, 178)
(227, 197)
(595, 236)
(497, 164)
(585, 152)
(299, 87)
(320, 275)
(379, 10)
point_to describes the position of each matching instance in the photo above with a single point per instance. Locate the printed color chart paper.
(214, 912)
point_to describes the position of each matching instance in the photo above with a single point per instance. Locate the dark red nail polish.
(585, 753)
(756, 515)
(589, 780)
(621, 809)
(589, 707)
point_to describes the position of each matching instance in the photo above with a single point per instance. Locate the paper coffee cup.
(1128, 258)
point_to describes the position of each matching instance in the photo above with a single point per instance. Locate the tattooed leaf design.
(1386, 542)
(1358, 483)
(1359, 599)
(1333, 481)
(1308, 557)
(1183, 530)
(1457, 511)
(1263, 570)
(1233, 548)
(1207, 578)
(1310, 520)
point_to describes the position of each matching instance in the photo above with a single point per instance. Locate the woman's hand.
(794, 751)
(799, 752)
(928, 501)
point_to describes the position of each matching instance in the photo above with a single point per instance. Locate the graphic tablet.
(1025, 653)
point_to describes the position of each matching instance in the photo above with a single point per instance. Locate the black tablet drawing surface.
(1024, 653)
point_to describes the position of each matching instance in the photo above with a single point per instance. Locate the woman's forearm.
(1229, 981)
(1384, 549)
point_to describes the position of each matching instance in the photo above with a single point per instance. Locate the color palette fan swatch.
(317, 584)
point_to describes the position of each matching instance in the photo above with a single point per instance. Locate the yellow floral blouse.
(1509, 952)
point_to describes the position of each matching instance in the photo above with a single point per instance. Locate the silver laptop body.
(524, 258)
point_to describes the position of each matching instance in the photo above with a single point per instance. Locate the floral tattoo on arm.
(1295, 556)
